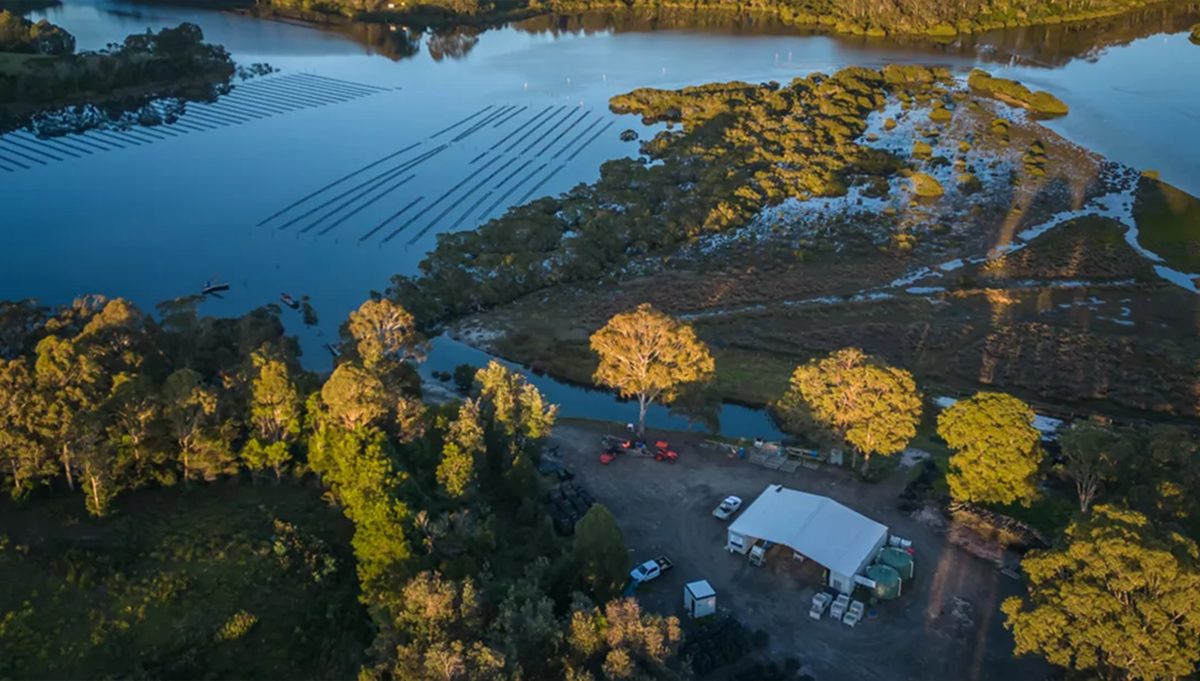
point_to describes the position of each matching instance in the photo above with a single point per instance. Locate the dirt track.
(946, 627)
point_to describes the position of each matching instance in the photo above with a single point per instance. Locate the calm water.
(156, 220)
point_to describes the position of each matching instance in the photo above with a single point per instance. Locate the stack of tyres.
(569, 502)
(716, 644)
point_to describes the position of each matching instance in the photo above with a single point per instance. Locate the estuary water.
(440, 133)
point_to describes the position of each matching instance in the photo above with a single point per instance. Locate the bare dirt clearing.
(946, 626)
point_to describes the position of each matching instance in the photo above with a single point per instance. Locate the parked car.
(651, 569)
(727, 507)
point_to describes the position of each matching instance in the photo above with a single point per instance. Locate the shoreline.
(814, 25)
(453, 334)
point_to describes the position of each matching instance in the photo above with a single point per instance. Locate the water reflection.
(393, 41)
(1047, 45)
(579, 402)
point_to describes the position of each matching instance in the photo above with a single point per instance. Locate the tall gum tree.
(69, 384)
(863, 402)
(1089, 456)
(26, 462)
(996, 449)
(274, 413)
(383, 331)
(648, 355)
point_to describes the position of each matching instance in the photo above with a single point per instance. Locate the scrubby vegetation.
(926, 186)
(226, 581)
(736, 149)
(1040, 102)
(1195, 36)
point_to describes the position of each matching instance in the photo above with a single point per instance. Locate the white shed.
(699, 599)
(813, 526)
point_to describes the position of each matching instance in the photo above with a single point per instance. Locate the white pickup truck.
(727, 507)
(651, 569)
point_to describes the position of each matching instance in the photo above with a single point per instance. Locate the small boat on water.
(210, 288)
(289, 301)
(333, 349)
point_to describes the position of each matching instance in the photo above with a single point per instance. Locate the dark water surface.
(158, 218)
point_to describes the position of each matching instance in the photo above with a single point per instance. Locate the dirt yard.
(946, 626)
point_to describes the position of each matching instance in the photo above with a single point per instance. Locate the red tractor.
(663, 452)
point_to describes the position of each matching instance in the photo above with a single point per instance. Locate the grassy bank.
(1168, 221)
(215, 582)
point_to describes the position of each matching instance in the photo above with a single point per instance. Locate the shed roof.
(817, 527)
(701, 589)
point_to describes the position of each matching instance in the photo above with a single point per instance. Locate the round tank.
(887, 581)
(899, 560)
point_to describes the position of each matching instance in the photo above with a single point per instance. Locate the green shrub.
(236, 626)
(1040, 102)
(968, 183)
(926, 186)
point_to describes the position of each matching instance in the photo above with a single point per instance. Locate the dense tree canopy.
(599, 554)
(1118, 598)
(384, 332)
(865, 403)
(996, 449)
(355, 397)
(464, 443)
(275, 413)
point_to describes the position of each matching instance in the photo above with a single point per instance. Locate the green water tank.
(887, 581)
(899, 560)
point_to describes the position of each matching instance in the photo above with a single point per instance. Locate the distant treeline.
(18, 34)
(144, 66)
(882, 17)
(872, 17)
(22, 6)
